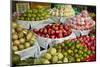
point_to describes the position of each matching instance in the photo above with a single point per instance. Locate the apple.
(54, 30)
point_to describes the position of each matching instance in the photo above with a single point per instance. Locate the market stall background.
(54, 49)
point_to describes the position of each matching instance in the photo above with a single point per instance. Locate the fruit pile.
(35, 14)
(21, 38)
(55, 30)
(68, 51)
(79, 49)
(63, 11)
(88, 41)
(82, 21)
(90, 58)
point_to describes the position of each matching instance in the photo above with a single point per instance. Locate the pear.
(16, 42)
(21, 47)
(22, 40)
(54, 59)
(14, 25)
(14, 36)
(15, 48)
(27, 44)
(47, 56)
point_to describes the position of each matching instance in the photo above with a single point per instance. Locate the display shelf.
(80, 2)
(54, 32)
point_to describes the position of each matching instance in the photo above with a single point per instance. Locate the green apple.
(22, 18)
(37, 18)
(29, 15)
(33, 15)
(30, 11)
(24, 14)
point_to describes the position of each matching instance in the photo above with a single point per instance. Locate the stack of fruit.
(35, 14)
(88, 41)
(68, 51)
(55, 30)
(63, 11)
(82, 48)
(82, 21)
(21, 38)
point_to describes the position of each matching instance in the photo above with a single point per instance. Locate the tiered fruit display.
(79, 49)
(68, 51)
(74, 50)
(55, 30)
(63, 11)
(35, 14)
(21, 38)
(82, 21)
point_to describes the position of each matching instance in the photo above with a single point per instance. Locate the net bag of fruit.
(48, 33)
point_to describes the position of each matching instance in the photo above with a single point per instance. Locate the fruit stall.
(52, 33)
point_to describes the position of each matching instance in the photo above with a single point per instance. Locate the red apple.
(60, 35)
(52, 36)
(61, 27)
(93, 47)
(52, 32)
(45, 31)
(56, 28)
